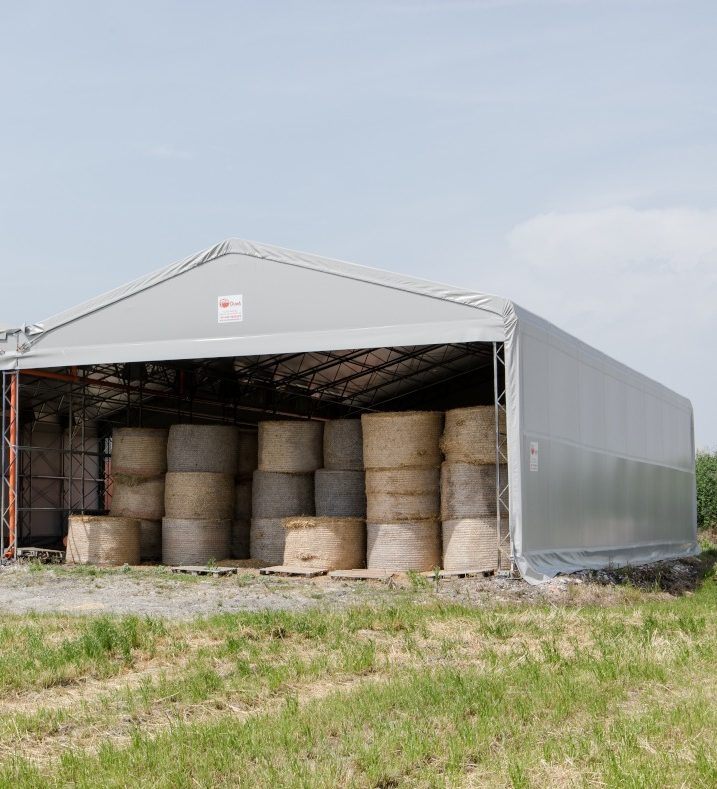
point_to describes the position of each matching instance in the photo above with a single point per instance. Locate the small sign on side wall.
(534, 455)
(230, 309)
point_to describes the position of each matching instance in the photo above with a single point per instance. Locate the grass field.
(414, 692)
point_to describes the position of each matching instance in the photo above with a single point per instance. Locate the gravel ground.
(153, 591)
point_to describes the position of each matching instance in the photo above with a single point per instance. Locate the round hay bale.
(137, 497)
(469, 435)
(248, 454)
(404, 546)
(404, 439)
(203, 448)
(470, 544)
(266, 540)
(343, 444)
(240, 538)
(199, 494)
(195, 540)
(150, 540)
(139, 451)
(403, 494)
(277, 494)
(103, 540)
(330, 543)
(291, 446)
(242, 500)
(340, 493)
(468, 491)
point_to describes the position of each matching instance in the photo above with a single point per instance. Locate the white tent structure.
(600, 458)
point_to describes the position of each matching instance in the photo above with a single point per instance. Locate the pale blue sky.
(562, 153)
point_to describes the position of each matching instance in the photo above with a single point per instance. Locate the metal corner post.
(502, 525)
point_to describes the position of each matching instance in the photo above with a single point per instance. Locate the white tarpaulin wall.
(601, 458)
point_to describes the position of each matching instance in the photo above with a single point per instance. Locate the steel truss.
(504, 542)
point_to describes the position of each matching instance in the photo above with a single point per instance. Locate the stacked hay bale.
(139, 462)
(199, 493)
(247, 462)
(328, 543)
(289, 452)
(468, 490)
(340, 486)
(402, 458)
(103, 540)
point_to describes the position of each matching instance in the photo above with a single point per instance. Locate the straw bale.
(199, 494)
(404, 546)
(195, 540)
(402, 439)
(468, 491)
(332, 543)
(343, 444)
(150, 540)
(403, 494)
(240, 538)
(340, 493)
(248, 457)
(470, 544)
(103, 540)
(267, 538)
(277, 494)
(138, 497)
(469, 435)
(139, 451)
(242, 500)
(291, 446)
(203, 448)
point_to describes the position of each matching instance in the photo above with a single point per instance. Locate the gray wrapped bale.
(195, 540)
(211, 448)
(291, 446)
(340, 493)
(277, 494)
(343, 445)
(267, 540)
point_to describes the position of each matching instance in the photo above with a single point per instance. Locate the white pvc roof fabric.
(601, 458)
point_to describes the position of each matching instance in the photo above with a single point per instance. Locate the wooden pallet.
(286, 569)
(42, 555)
(459, 573)
(362, 575)
(201, 570)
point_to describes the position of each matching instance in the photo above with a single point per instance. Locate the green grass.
(415, 693)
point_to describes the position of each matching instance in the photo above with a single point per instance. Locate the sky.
(562, 153)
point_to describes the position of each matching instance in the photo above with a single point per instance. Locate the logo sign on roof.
(230, 309)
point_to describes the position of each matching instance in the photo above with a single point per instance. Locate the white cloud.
(168, 152)
(638, 284)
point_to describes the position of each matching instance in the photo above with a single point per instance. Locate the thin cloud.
(168, 152)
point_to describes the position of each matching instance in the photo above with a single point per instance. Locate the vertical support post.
(504, 542)
(11, 406)
(3, 462)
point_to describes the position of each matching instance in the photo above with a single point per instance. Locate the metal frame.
(9, 483)
(504, 542)
(240, 390)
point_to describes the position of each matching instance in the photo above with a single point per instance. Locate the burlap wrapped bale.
(248, 457)
(291, 446)
(470, 544)
(330, 543)
(402, 494)
(277, 494)
(240, 538)
(469, 435)
(139, 451)
(150, 540)
(103, 540)
(137, 497)
(267, 538)
(242, 500)
(404, 546)
(199, 494)
(468, 490)
(343, 444)
(212, 448)
(404, 439)
(195, 540)
(340, 493)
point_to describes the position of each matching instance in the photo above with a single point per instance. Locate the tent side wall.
(606, 461)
